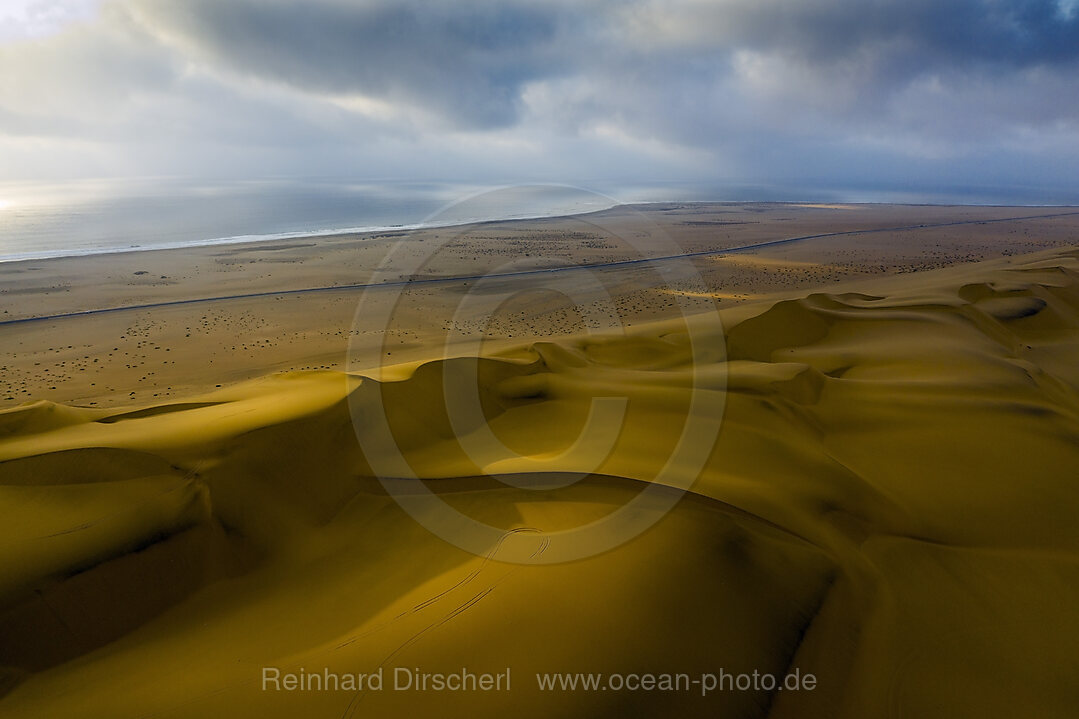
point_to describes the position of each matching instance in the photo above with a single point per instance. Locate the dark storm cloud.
(568, 89)
(926, 76)
(1015, 33)
(466, 60)
(470, 62)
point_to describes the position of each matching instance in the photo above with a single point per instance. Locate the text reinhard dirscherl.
(401, 679)
(465, 680)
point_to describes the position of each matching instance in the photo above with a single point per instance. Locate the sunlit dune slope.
(891, 505)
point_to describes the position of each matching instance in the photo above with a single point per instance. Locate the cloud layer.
(899, 92)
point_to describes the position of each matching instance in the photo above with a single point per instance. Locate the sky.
(855, 93)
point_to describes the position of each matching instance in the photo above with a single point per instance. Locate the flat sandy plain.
(889, 504)
(175, 350)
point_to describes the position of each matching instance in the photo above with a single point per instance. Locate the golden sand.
(890, 506)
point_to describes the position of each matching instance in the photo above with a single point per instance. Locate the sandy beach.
(878, 489)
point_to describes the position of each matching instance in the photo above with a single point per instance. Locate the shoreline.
(279, 237)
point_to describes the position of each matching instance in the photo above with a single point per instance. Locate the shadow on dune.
(890, 504)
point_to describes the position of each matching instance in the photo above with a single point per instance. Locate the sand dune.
(890, 505)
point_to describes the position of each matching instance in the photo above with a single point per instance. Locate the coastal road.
(524, 273)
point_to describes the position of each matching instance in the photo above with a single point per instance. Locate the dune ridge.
(890, 505)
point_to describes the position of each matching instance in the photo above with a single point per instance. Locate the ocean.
(92, 217)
